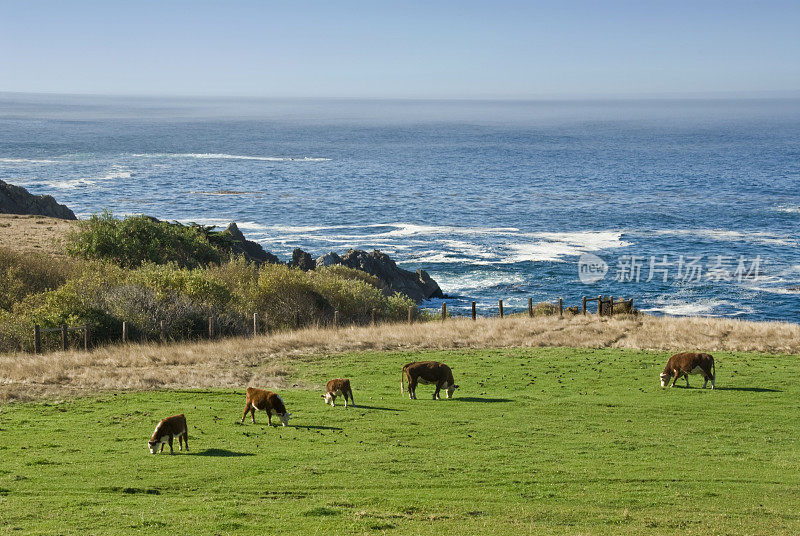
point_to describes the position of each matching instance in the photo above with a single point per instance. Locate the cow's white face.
(664, 379)
(153, 446)
(450, 390)
(285, 418)
(328, 397)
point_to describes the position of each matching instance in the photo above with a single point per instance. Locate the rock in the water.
(329, 259)
(251, 251)
(17, 200)
(417, 286)
(302, 260)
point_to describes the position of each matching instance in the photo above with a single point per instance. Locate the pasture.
(536, 441)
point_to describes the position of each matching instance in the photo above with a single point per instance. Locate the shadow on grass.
(479, 399)
(313, 427)
(221, 453)
(374, 407)
(749, 389)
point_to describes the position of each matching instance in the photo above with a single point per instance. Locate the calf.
(427, 372)
(687, 363)
(167, 430)
(338, 387)
(265, 401)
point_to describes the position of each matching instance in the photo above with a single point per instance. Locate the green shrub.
(135, 240)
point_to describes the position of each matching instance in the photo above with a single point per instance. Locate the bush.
(136, 240)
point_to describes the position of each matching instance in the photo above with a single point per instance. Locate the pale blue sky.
(405, 49)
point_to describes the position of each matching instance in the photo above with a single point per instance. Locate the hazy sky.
(460, 49)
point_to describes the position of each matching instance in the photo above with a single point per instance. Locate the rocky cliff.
(17, 200)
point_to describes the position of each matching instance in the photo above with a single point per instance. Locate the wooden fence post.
(162, 331)
(444, 311)
(210, 327)
(37, 339)
(124, 332)
(561, 307)
(530, 307)
(500, 304)
(64, 337)
(336, 319)
(86, 337)
(583, 307)
(611, 306)
(255, 324)
(374, 316)
(410, 314)
(599, 304)
(474, 312)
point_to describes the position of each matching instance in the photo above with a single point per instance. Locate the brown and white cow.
(338, 387)
(260, 399)
(687, 363)
(428, 372)
(168, 429)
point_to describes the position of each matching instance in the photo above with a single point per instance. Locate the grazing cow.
(427, 372)
(687, 363)
(338, 387)
(167, 430)
(265, 401)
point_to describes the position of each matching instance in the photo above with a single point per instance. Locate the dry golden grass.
(267, 360)
(39, 234)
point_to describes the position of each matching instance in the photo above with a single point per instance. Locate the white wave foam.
(699, 307)
(788, 209)
(27, 161)
(476, 281)
(723, 235)
(115, 173)
(555, 246)
(225, 156)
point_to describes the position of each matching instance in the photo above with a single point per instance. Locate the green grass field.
(536, 441)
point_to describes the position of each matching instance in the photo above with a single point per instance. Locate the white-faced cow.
(338, 387)
(687, 363)
(428, 372)
(260, 399)
(166, 430)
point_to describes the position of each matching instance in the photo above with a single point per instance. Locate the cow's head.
(285, 418)
(328, 397)
(153, 446)
(664, 379)
(450, 390)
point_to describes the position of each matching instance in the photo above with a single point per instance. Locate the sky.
(401, 49)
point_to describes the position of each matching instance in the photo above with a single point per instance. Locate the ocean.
(690, 207)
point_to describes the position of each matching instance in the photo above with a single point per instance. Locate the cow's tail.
(402, 376)
(713, 371)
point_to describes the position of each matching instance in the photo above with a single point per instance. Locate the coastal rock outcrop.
(17, 200)
(302, 260)
(329, 259)
(416, 285)
(251, 251)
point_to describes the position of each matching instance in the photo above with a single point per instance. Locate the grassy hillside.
(537, 441)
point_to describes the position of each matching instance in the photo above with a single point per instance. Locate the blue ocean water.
(693, 205)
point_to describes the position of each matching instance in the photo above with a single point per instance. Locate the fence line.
(605, 306)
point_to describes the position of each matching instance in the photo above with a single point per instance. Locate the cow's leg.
(412, 389)
(162, 447)
(675, 377)
(705, 377)
(686, 377)
(253, 413)
(171, 451)
(269, 417)
(186, 440)
(333, 400)
(246, 409)
(352, 402)
(436, 392)
(180, 442)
